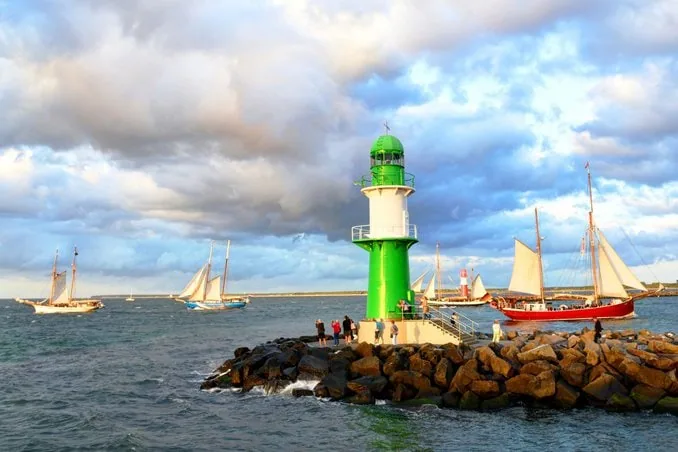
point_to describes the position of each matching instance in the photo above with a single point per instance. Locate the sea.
(127, 377)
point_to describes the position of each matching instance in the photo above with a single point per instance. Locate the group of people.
(348, 325)
(379, 328)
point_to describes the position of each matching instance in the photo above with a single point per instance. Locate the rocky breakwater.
(629, 371)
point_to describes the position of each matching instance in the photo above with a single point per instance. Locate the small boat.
(61, 299)
(130, 298)
(478, 296)
(610, 275)
(204, 293)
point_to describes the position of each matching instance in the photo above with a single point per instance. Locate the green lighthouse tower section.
(389, 235)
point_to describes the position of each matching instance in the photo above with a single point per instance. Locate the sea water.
(127, 378)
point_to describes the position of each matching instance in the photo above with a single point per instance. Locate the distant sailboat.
(419, 282)
(478, 295)
(60, 300)
(203, 293)
(130, 298)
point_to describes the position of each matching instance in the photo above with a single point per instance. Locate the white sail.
(525, 277)
(477, 288)
(430, 291)
(419, 282)
(191, 287)
(60, 292)
(624, 274)
(609, 284)
(214, 289)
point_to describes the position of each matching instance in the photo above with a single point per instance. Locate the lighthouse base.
(418, 331)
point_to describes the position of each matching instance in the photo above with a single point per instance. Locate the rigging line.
(638, 253)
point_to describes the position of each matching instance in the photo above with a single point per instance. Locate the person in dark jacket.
(347, 329)
(320, 326)
(598, 328)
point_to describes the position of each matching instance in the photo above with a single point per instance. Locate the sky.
(141, 130)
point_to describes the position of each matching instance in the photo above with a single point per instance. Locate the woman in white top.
(497, 333)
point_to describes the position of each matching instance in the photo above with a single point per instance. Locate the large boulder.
(667, 405)
(570, 355)
(465, 375)
(485, 389)
(403, 392)
(450, 399)
(443, 373)
(410, 378)
(573, 341)
(542, 352)
(300, 392)
(538, 387)
(603, 387)
(361, 398)
(452, 352)
(592, 352)
(364, 349)
(469, 401)
(313, 366)
(646, 375)
(537, 367)
(646, 396)
(574, 373)
(496, 403)
(417, 364)
(394, 363)
(510, 352)
(334, 385)
(492, 362)
(662, 347)
(431, 354)
(367, 366)
(620, 403)
(566, 396)
(369, 383)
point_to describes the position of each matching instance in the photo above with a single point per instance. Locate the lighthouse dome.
(387, 143)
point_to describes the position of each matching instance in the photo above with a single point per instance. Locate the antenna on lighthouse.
(387, 129)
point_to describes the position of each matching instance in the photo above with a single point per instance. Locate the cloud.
(140, 131)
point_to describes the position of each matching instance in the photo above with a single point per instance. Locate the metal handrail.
(462, 325)
(363, 232)
(366, 181)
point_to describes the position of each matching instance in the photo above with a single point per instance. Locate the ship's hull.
(79, 307)
(623, 310)
(214, 305)
(129, 299)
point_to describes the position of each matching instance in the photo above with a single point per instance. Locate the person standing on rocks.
(354, 330)
(347, 329)
(394, 333)
(497, 333)
(336, 329)
(379, 331)
(598, 328)
(320, 326)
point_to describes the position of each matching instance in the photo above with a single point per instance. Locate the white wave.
(382, 402)
(300, 384)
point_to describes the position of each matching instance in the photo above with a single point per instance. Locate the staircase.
(458, 325)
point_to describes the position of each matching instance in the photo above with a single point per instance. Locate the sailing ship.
(61, 299)
(610, 275)
(204, 293)
(130, 298)
(434, 290)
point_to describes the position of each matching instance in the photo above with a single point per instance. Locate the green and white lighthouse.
(389, 235)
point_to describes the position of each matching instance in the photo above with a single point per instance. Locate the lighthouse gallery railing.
(363, 232)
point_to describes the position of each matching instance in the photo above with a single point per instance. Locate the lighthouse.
(389, 235)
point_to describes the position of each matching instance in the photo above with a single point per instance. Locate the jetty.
(627, 371)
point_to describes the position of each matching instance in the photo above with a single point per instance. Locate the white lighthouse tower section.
(389, 217)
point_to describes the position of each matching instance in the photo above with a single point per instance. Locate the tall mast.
(223, 281)
(207, 274)
(541, 269)
(592, 239)
(73, 272)
(438, 274)
(54, 277)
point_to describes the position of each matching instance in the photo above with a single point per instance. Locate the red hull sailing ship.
(610, 275)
